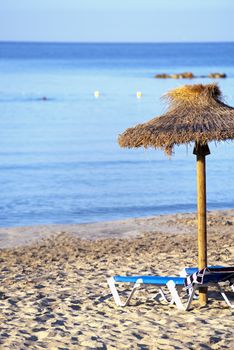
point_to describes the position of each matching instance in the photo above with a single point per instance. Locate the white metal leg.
(175, 298)
(111, 282)
(224, 295)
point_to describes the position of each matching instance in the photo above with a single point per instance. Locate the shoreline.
(11, 237)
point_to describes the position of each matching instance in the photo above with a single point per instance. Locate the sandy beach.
(54, 293)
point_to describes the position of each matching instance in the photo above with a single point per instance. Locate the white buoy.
(139, 94)
(96, 93)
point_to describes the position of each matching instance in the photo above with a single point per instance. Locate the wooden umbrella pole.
(201, 221)
(201, 151)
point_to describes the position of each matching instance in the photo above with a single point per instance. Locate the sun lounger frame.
(173, 287)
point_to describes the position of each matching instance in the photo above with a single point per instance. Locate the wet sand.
(54, 295)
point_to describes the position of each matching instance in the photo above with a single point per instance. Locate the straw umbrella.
(196, 114)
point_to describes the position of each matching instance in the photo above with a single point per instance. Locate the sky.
(117, 21)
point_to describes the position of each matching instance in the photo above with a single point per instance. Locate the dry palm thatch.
(196, 113)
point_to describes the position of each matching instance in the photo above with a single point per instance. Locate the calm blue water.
(59, 158)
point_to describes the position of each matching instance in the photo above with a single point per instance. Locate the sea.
(60, 161)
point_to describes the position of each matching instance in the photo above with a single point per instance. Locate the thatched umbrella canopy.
(196, 114)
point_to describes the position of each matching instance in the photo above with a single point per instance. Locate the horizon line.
(113, 42)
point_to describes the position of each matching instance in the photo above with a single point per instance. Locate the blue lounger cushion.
(157, 280)
(218, 274)
(192, 270)
(210, 275)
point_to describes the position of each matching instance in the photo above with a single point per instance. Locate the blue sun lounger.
(158, 281)
(211, 276)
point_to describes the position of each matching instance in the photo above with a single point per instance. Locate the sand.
(54, 295)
